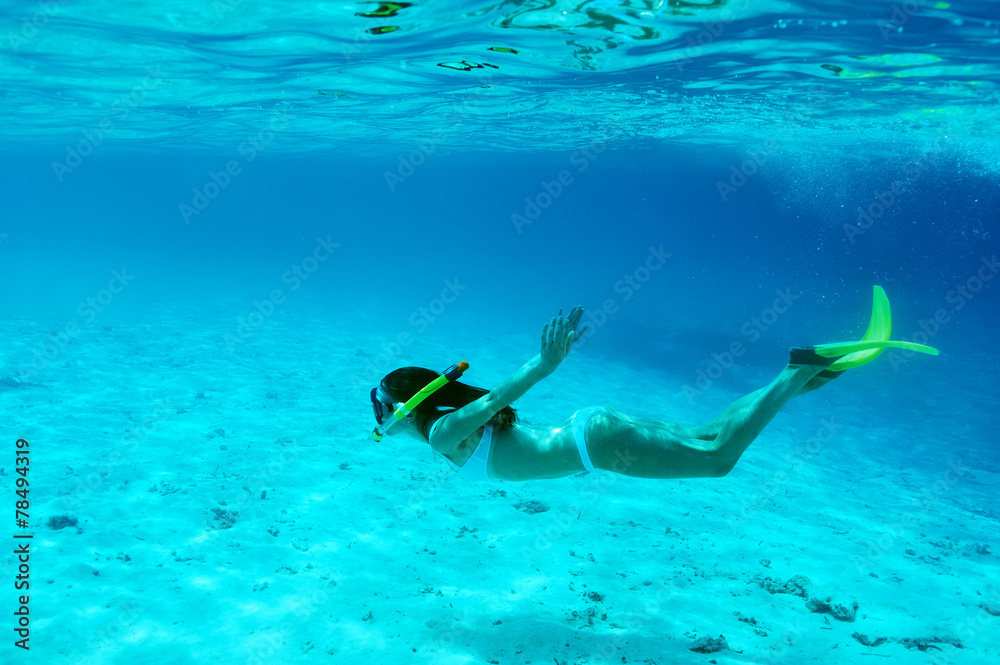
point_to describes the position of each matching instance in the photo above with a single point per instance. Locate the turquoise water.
(361, 76)
(222, 223)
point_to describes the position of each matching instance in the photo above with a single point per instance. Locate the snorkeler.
(476, 431)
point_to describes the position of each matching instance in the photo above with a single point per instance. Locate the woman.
(477, 431)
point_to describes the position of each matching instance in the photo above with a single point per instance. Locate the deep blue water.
(469, 217)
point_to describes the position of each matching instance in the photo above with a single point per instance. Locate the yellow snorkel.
(451, 374)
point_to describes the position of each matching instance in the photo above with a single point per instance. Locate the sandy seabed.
(220, 505)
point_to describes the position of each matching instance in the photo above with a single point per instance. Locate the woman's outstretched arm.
(558, 337)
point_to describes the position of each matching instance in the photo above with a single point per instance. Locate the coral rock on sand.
(839, 611)
(920, 643)
(802, 586)
(531, 506)
(991, 607)
(710, 644)
(796, 586)
(61, 521)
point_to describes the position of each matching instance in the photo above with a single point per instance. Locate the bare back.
(526, 452)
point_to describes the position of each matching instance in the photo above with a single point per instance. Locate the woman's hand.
(558, 336)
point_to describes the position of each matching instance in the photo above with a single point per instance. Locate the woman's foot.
(806, 355)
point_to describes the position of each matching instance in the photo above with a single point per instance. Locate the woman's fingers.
(559, 335)
(559, 327)
(574, 316)
(561, 331)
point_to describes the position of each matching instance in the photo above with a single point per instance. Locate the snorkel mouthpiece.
(453, 373)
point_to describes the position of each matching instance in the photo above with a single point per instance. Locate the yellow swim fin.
(878, 330)
(855, 354)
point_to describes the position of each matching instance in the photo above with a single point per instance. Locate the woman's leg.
(818, 382)
(649, 448)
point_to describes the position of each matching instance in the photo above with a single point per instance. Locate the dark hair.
(405, 382)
